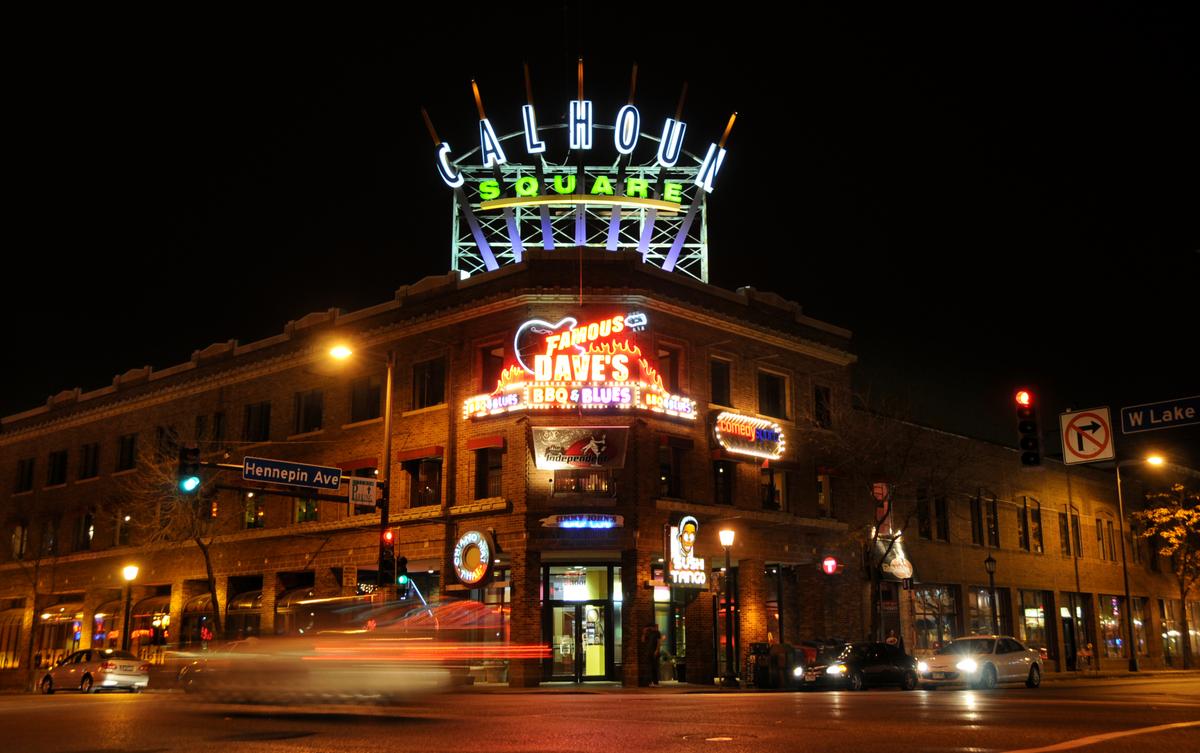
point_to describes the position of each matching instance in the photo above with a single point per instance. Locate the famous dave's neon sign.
(573, 365)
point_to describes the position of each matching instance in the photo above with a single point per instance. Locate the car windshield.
(853, 651)
(969, 646)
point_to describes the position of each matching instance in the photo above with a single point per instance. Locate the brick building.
(677, 404)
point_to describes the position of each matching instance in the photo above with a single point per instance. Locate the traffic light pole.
(386, 470)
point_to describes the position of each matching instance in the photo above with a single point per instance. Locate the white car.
(982, 661)
(97, 669)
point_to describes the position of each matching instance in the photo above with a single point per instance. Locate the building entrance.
(581, 621)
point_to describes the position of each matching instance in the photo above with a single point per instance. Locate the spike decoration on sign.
(454, 179)
(652, 198)
(706, 178)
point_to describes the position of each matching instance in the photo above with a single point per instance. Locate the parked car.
(97, 669)
(861, 665)
(982, 661)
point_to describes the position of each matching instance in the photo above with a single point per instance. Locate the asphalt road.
(1062, 716)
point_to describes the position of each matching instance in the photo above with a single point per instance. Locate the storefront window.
(1139, 625)
(578, 583)
(935, 615)
(1193, 621)
(979, 612)
(1112, 626)
(1171, 636)
(1032, 625)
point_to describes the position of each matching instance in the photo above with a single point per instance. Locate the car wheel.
(1035, 677)
(135, 689)
(47, 685)
(987, 678)
(855, 680)
(85, 685)
(910, 681)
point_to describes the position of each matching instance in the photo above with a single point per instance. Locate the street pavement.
(1160, 713)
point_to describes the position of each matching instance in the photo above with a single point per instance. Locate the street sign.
(1165, 415)
(291, 474)
(1087, 436)
(362, 491)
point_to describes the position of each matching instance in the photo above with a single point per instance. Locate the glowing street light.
(129, 573)
(1154, 460)
(726, 536)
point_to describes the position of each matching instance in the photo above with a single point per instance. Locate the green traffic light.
(402, 580)
(189, 484)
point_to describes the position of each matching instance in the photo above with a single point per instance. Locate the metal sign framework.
(651, 233)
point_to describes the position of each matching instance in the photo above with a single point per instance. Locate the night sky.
(988, 201)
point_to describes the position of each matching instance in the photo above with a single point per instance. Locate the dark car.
(861, 665)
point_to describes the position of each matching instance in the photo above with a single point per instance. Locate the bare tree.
(1172, 524)
(36, 531)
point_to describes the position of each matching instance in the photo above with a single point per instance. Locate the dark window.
(1100, 538)
(306, 509)
(123, 527)
(257, 427)
(491, 364)
(86, 532)
(942, 513)
(1035, 525)
(1064, 535)
(824, 496)
(489, 467)
(310, 406)
(126, 452)
(669, 366)
(724, 473)
(366, 396)
(1023, 526)
(993, 523)
(1112, 541)
(25, 475)
(56, 469)
(166, 442)
(429, 383)
(1077, 534)
(924, 515)
(670, 475)
(772, 395)
(425, 482)
(977, 521)
(201, 428)
(772, 486)
(252, 510)
(719, 379)
(218, 427)
(583, 481)
(822, 407)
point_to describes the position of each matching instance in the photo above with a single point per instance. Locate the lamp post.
(341, 353)
(1129, 637)
(130, 573)
(730, 680)
(989, 564)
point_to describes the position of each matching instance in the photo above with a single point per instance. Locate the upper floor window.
(126, 452)
(924, 514)
(253, 513)
(24, 475)
(993, 523)
(772, 394)
(824, 496)
(941, 509)
(718, 371)
(89, 460)
(425, 482)
(306, 509)
(491, 363)
(257, 426)
(670, 366)
(366, 395)
(56, 469)
(773, 488)
(583, 481)
(489, 467)
(20, 541)
(670, 471)
(1029, 525)
(218, 427)
(309, 409)
(977, 520)
(86, 532)
(429, 383)
(724, 473)
(166, 442)
(822, 407)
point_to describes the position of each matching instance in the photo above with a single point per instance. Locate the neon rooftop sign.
(510, 192)
(589, 366)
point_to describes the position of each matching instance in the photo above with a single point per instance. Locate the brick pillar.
(91, 600)
(751, 610)
(700, 638)
(793, 629)
(270, 590)
(637, 612)
(349, 580)
(526, 626)
(810, 602)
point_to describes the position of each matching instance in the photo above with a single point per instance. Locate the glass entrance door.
(579, 647)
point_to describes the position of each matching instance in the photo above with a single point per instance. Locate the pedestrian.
(651, 648)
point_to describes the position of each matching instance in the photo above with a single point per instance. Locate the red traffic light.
(1025, 398)
(388, 537)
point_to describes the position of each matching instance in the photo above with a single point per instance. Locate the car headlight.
(922, 666)
(967, 665)
(836, 669)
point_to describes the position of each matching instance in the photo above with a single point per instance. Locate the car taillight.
(107, 665)
(144, 668)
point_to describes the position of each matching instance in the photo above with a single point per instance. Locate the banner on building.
(565, 448)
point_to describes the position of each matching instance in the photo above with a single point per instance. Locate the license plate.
(126, 668)
(810, 676)
(938, 675)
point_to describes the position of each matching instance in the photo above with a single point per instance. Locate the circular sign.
(1087, 436)
(829, 565)
(473, 557)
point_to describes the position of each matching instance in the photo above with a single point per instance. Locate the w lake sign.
(1167, 414)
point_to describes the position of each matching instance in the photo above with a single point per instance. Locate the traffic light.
(189, 469)
(387, 558)
(1029, 435)
(402, 580)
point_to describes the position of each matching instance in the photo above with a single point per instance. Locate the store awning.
(152, 606)
(199, 604)
(359, 463)
(419, 453)
(246, 603)
(64, 611)
(486, 443)
(289, 599)
(12, 616)
(108, 609)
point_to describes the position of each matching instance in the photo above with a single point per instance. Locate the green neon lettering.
(602, 186)
(489, 189)
(637, 187)
(672, 191)
(564, 187)
(527, 186)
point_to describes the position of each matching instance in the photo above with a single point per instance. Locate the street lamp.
(342, 352)
(989, 564)
(130, 573)
(730, 681)
(1155, 460)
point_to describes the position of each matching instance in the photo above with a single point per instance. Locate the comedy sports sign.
(648, 193)
(749, 435)
(573, 365)
(1087, 436)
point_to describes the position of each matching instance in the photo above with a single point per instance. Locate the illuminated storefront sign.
(588, 521)
(586, 366)
(473, 557)
(686, 570)
(564, 448)
(749, 435)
